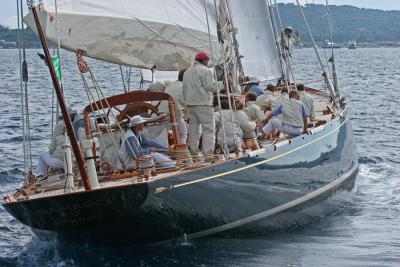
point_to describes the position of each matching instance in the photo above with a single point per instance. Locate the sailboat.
(280, 185)
(352, 44)
(328, 45)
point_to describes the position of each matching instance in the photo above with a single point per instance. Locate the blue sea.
(362, 232)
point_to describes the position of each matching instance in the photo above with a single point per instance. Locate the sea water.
(363, 232)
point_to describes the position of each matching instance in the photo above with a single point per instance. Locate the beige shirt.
(268, 99)
(292, 113)
(282, 98)
(231, 134)
(248, 127)
(56, 146)
(174, 89)
(198, 86)
(286, 43)
(254, 112)
(308, 101)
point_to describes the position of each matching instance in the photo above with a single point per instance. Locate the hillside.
(349, 23)
(11, 35)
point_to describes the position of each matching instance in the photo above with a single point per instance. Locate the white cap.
(136, 120)
(288, 28)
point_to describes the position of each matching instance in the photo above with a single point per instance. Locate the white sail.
(256, 39)
(139, 33)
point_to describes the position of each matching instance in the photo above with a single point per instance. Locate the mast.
(67, 119)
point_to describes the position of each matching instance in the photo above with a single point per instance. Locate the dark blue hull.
(277, 188)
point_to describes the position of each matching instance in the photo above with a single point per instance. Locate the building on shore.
(5, 44)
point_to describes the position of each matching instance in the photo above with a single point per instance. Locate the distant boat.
(329, 44)
(352, 45)
(298, 46)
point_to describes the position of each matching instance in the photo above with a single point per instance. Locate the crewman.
(267, 101)
(233, 135)
(294, 117)
(54, 158)
(283, 97)
(307, 100)
(199, 87)
(254, 86)
(175, 89)
(252, 110)
(286, 41)
(248, 127)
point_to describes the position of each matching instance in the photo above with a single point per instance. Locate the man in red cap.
(198, 91)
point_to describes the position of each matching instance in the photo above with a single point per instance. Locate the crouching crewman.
(294, 117)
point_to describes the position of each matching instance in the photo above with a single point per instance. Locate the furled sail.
(140, 33)
(256, 39)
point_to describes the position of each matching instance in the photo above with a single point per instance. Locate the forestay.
(256, 39)
(140, 33)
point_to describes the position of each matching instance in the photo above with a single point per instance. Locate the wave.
(11, 176)
(370, 160)
(8, 261)
(19, 139)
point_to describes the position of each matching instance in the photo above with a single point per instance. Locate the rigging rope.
(58, 53)
(224, 146)
(22, 93)
(100, 96)
(324, 74)
(234, 41)
(165, 39)
(24, 90)
(123, 79)
(128, 74)
(275, 32)
(225, 64)
(285, 53)
(335, 82)
(94, 106)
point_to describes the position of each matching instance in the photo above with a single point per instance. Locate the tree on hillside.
(3, 28)
(349, 23)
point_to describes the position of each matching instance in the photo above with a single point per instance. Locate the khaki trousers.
(201, 122)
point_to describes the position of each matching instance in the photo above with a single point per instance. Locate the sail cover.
(256, 39)
(139, 33)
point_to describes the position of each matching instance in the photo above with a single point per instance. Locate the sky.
(8, 8)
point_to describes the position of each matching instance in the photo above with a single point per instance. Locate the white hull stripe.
(161, 189)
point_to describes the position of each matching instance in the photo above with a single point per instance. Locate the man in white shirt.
(307, 100)
(286, 41)
(294, 117)
(175, 89)
(198, 91)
